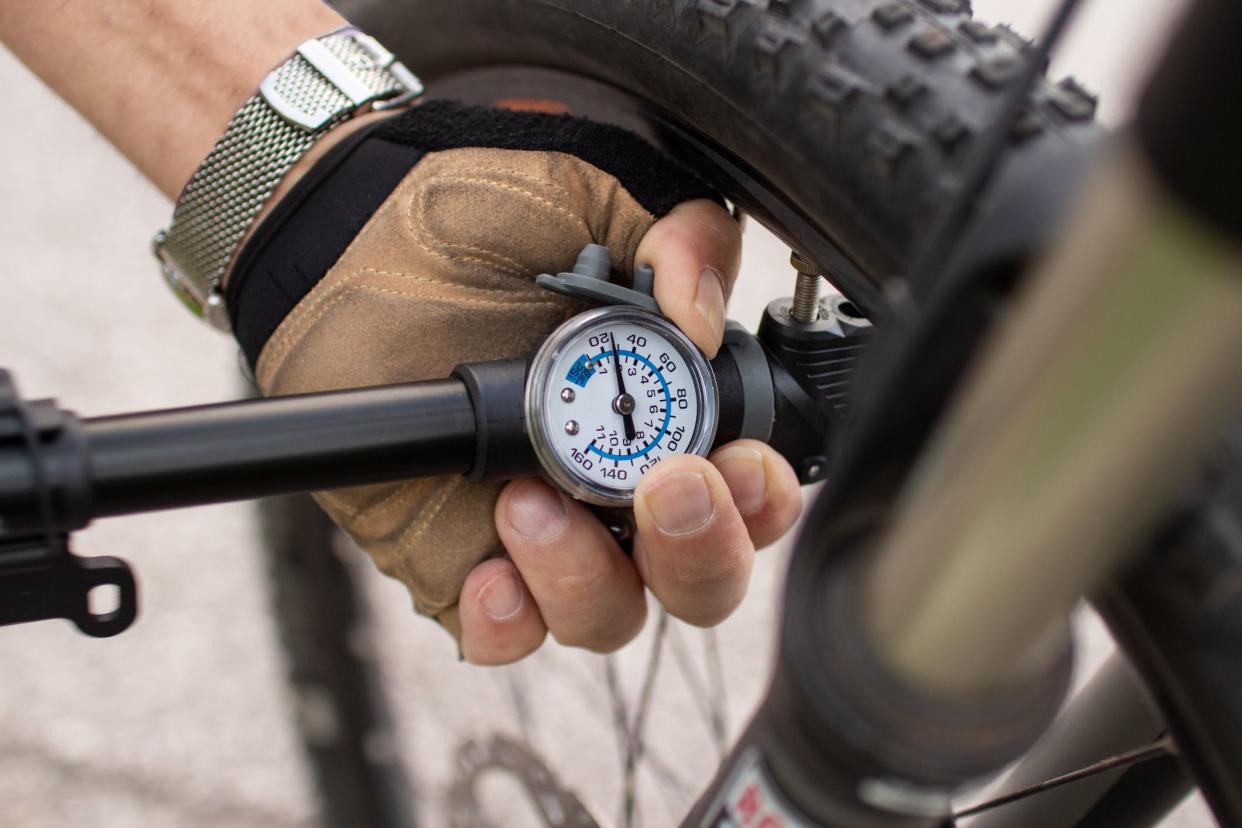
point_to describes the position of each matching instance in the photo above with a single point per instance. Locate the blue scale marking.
(581, 371)
(668, 408)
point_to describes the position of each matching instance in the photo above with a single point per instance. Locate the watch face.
(612, 393)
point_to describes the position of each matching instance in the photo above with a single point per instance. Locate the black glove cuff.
(310, 228)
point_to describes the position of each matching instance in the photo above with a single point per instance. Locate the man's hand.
(443, 273)
(699, 520)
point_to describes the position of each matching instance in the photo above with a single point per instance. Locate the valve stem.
(805, 307)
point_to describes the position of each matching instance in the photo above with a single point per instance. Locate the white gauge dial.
(612, 393)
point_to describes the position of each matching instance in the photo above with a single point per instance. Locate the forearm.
(159, 78)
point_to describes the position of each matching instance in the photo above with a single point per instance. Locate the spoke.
(1163, 747)
(653, 667)
(516, 688)
(634, 732)
(675, 792)
(715, 671)
(678, 796)
(620, 717)
(703, 700)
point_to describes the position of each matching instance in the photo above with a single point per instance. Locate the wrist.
(160, 79)
(293, 118)
(274, 38)
(302, 167)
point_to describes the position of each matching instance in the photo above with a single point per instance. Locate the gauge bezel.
(539, 426)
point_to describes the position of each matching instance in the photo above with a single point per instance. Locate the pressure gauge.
(612, 393)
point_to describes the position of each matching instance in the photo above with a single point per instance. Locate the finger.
(764, 488)
(587, 590)
(692, 546)
(499, 620)
(696, 250)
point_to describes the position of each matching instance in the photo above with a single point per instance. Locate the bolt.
(812, 468)
(571, 427)
(621, 531)
(567, 395)
(806, 291)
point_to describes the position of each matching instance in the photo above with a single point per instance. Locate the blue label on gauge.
(581, 371)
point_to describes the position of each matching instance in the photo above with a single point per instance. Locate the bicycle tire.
(341, 714)
(862, 112)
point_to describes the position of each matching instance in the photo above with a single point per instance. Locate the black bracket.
(37, 583)
(39, 577)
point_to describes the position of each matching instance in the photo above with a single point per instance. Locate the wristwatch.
(325, 82)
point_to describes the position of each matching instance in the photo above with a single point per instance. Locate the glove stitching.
(300, 321)
(284, 341)
(411, 535)
(503, 291)
(576, 219)
(489, 303)
(610, 208)
(514, 266)
(376, 509)
(524, 275)
(485, 172)
(422, 235)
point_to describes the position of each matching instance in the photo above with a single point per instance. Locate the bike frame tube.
(1083, 420)
(1112, 714)
(1078, 425)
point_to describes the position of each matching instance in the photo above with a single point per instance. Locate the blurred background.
(185, 719)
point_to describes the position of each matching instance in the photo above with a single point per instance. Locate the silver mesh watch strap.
(324, 83)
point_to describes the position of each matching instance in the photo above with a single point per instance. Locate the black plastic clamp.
(498, 393)
(588, 281)
(39, 577)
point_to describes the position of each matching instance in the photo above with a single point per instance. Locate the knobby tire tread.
(862, 111)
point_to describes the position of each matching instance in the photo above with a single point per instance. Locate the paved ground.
(183, 720)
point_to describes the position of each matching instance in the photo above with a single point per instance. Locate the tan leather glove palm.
(443, 273)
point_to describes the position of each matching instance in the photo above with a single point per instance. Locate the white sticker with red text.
(752, 801)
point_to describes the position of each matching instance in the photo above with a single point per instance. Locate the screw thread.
(806, 298)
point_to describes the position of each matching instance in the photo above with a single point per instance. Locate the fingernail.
(742, 469)
(536, 512)
(502, 596)
(709, 301)
(680, 503)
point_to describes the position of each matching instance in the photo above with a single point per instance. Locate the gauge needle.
(625, 403)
